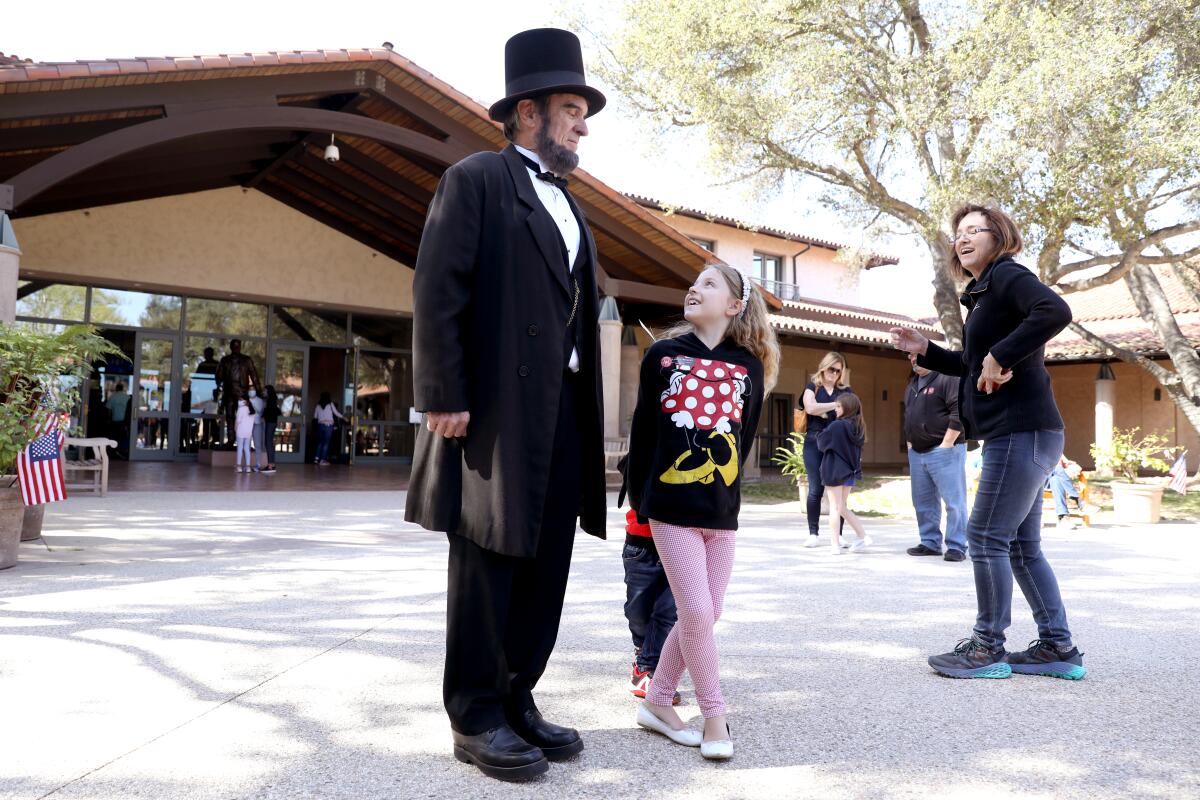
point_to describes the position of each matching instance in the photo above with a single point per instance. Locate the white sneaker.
(835, 550)
(686, 736)
(813, 541)
(860, 544)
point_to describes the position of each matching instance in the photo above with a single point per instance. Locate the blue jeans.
(324, 435)
(940, 476)
(812, 467)
(1005, 532)
(1061, 486)
(649, 604)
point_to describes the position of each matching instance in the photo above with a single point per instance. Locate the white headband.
(745, 291)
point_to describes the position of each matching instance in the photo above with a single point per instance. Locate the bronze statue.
(236, 374)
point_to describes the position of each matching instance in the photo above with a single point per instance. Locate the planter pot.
(12, 518)
(803, 487)
(32, 527)
(1137, 502)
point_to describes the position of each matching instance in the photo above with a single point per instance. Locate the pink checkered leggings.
(698, 563)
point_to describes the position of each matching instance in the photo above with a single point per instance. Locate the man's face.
(566, 120)
(235, 347)
(912, 359)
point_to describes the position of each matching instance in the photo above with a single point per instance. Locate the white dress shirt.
(559, 207)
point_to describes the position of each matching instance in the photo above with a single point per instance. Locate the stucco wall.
(1075, 392)
(816, 273)
(226, 242)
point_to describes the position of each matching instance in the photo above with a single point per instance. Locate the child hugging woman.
(841, 445)
(698, 407)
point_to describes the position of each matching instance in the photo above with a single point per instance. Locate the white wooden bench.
(614, 450)
(96, 463)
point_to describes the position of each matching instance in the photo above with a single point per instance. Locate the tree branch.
(1162, 375)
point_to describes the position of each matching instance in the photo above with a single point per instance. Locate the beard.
(558, 159)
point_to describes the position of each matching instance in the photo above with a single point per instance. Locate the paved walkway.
(165, 646)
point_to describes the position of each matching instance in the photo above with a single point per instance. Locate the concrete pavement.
(163, 647)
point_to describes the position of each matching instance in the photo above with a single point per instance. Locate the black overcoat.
(491, 302)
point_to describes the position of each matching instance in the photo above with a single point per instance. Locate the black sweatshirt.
(693, 428)
(841, 453)
(1011, 314)
(930, 409)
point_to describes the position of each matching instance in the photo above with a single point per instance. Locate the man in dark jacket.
(937, 455)
(507, 370)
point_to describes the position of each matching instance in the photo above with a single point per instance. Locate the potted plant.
(790, 457)
(40, 374)
(1134, 499)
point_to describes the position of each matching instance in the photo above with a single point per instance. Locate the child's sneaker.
(1043, 658)
(639, 683)
(972, 658)
(860, 544)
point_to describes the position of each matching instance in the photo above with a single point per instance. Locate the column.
(10, 262)
(1106, 401)
(610, 366)
(631, 366)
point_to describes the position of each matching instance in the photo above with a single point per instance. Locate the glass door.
(288, 373)
(155, 397)
(382, 398)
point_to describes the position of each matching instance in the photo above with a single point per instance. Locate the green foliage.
(37, 367)
(791, 457)
(1127, 456)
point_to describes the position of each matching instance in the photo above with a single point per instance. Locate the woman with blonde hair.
(699, 402)
(819, 402)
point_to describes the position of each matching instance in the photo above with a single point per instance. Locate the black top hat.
(543, 61)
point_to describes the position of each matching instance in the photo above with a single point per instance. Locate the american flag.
(39, 466)
(1179, 474)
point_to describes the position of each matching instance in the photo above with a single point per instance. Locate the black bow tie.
(548, 177)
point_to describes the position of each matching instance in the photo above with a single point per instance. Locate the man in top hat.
(506, 367)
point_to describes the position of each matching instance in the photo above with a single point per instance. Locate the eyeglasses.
(969, 233)
(834, 370)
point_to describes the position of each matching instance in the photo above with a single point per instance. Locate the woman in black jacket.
(841, 444)
(1005, 398)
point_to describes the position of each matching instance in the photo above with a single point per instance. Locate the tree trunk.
(1154, 308)
(945, 293)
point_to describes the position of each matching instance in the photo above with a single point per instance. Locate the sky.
(462, 43)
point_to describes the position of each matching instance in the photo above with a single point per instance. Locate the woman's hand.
(993, 375)
(909, 341)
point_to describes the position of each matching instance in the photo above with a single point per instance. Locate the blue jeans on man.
(1061, 487)
(939, 476)
(1005, 532)
(649, 604)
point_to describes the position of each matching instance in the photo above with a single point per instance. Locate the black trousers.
(502, 612)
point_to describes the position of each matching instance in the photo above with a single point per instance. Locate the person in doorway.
(117, 406)
(270, 416)
(649, 604)
(245, 433)
(211, 409)
(937, 459)
(841, 443)
(693, 428)
(257, 404)
(1006, 400)
(828, 383)
(324, 414)
(209, 364)
(512, 452)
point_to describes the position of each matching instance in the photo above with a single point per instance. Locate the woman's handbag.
(799, 421)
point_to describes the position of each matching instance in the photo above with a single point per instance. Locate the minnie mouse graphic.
(705, 398)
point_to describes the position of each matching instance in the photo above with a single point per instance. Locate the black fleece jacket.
(1011, 314)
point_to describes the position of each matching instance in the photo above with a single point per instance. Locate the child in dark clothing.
(649, 604)
(841, 445)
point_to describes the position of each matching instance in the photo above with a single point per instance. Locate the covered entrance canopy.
(87, 134)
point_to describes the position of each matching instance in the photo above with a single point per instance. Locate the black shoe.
(971, 658)
(557, 742)
(1043, 658)
(500, 753)
(922, 550)
(955, 555)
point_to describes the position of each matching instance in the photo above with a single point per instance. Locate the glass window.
(707, 244)
(767, 267)
(137, 309)
(384, 386)
(40, 327)
(223, 316)
(394, 332)
(199, 371)
(51, 300)
(305, 325)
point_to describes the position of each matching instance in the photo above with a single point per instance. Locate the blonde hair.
(750, 329)
(831, 358)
